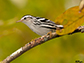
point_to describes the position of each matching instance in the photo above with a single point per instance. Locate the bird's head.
(25, 18)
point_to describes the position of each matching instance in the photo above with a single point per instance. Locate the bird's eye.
(25, 18)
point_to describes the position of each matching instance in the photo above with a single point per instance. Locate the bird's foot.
(50, 33)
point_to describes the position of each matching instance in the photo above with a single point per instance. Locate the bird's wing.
(43, 22)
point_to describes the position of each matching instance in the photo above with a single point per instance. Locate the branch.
(36, 42)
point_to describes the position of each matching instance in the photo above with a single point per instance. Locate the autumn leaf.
(70, 19)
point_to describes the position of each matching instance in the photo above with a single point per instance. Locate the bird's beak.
(19, 21)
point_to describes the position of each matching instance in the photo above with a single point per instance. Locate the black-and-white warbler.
(39, 25)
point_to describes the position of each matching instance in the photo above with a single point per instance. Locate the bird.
(40, 25)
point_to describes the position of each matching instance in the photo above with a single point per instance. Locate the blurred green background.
(66, 49)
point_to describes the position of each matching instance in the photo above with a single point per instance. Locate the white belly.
(37, 29)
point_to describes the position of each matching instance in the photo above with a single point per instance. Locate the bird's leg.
(50, 33)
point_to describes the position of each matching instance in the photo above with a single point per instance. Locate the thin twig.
(34, 43)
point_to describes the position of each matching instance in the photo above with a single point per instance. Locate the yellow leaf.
(70, 19)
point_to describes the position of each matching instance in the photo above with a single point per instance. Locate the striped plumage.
(39, 25)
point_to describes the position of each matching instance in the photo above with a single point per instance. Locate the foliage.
(71, 19)
(66, 49)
